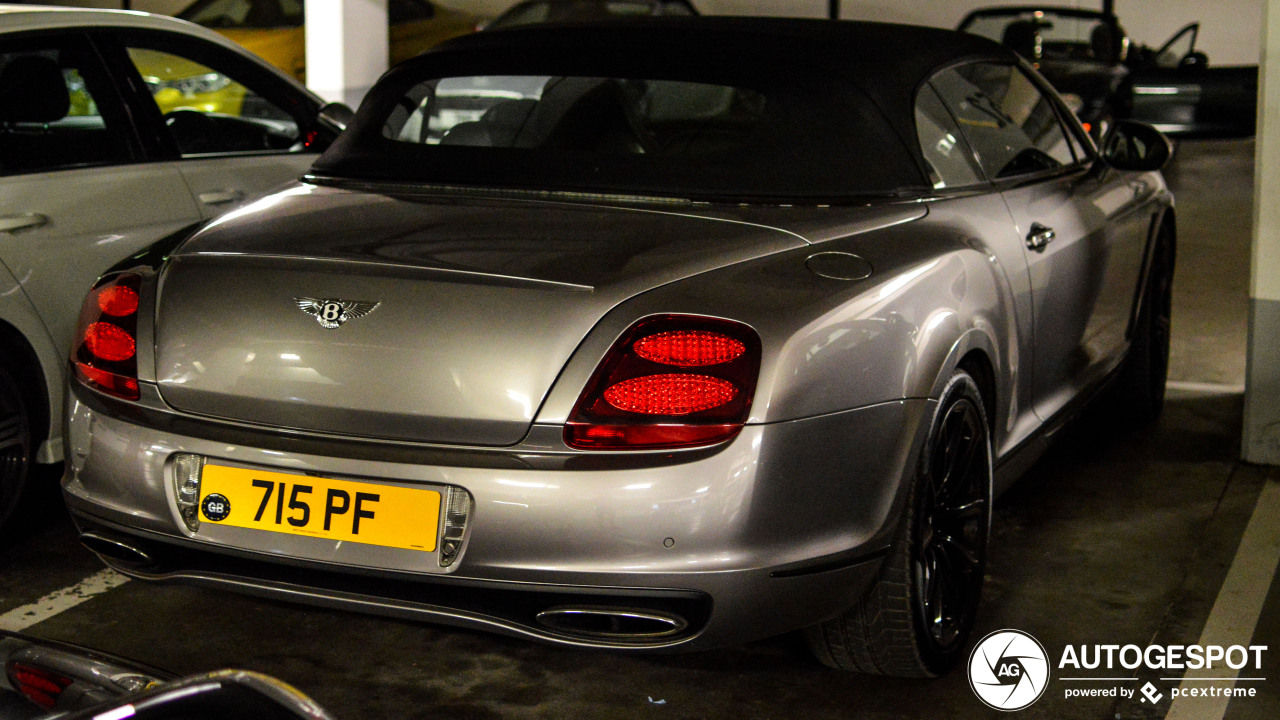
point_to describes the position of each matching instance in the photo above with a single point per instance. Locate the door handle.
(11, 223)
(218, 197)
(1039, 237)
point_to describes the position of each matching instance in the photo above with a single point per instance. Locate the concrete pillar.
(1262, 375)
(346, 47)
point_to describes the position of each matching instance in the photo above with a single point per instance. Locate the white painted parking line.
(21, 618)
(1203, 388)
(1239, 605)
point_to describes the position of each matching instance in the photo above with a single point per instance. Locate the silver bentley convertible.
(649, 336)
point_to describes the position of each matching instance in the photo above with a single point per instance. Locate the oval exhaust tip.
(114, 549)
(609, 623)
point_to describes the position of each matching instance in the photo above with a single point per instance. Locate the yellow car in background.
(178, 83)
(272, 29)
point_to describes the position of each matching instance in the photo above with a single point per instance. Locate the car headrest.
(473, 134)
(1023, 37)
(32, 90)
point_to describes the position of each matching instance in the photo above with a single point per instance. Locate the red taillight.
(109, 342)
(647, 395)
(105, 354)
(689, 348)
(37, 684)
(670, 394)
(118, 301)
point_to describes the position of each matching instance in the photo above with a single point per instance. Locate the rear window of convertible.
(795, 140)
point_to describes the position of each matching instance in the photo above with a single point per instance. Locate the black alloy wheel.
(949, 544)
(1141, 386)
(15, 444)
(915, 619)
(1160, 297)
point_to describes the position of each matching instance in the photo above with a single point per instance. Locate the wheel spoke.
(957, 513)
(959, 450)
(952, 444)
(960, 470)
(11, 434)
(934, 591)
(948, 610)
(952, 547)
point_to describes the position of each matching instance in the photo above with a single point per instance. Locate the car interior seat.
(1022, 37)
(33, 94)
(43, 126)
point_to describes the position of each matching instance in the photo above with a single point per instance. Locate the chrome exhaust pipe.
(609, 623)
(114, 549)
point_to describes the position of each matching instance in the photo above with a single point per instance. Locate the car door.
(1177, 91)
(78, 192)
(235, 127)
(1081, 230)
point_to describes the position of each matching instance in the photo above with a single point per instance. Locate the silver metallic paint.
(850, 371)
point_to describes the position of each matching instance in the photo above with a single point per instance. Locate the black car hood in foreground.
(480, 304)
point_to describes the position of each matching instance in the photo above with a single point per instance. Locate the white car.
(117, 129)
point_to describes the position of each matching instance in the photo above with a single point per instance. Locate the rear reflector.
(634, 437)
(109, 381)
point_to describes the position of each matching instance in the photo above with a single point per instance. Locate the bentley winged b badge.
(332, 312)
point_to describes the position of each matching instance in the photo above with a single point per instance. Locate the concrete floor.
(1117, 536)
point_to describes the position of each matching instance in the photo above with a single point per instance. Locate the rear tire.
(916, 619)
(1146, 369)
(15, 444)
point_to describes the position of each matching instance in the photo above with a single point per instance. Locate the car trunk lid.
(472, 306)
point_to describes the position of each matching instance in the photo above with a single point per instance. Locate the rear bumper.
(780, 528)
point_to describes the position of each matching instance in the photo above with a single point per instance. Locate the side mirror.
(329, 122)
(1132, 145)
(335, 116)
(1194, 61)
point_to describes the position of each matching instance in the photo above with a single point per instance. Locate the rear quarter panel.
(937, 289)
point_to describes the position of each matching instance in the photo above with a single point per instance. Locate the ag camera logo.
(1008, 670)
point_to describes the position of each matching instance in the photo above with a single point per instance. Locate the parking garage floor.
(1119, 536)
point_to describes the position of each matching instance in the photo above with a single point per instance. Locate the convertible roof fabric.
(881, 63)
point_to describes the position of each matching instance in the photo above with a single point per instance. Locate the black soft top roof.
(886, 62)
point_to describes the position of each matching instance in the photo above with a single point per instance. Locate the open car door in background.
(1178, 92)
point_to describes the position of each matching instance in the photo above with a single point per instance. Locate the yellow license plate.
(320, 507)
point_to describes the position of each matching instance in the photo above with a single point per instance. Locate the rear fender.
(31, 354)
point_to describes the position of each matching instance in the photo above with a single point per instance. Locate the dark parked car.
(48, 679)
(544, 11)
(1089, 58)
(718, 328)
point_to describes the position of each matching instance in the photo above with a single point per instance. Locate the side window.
(211, 108)
(1012, 126)
(946, 152)
(57, 109)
